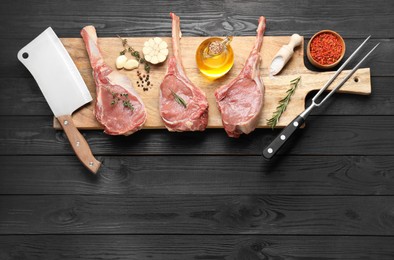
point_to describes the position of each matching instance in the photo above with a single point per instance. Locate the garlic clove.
(161, 57)
(157, 40)
(131, 64)
(147, 49)
(120, 61)
(163, 45)
(148, 57)
(163, 52)
(154, 60)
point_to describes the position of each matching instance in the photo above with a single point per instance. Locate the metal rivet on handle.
(270, 150)
(295, 124)
(65, 122)
(91, 163)
(282, 137)
(78, 143)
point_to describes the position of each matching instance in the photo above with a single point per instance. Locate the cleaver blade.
(62, 86)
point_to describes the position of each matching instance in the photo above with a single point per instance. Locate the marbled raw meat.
(240, 101)
(176, 117)
(118, 107)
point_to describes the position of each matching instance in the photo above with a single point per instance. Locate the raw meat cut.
(118, 107)
(241, 100)
(183, 106)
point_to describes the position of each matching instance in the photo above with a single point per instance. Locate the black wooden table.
(163, 195)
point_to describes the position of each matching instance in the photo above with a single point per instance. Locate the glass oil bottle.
(215, 57)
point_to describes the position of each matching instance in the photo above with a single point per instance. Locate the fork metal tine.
(339, 70)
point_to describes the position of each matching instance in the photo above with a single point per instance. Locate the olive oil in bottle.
(215, 57)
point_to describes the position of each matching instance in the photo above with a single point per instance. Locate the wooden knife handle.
(79, 144)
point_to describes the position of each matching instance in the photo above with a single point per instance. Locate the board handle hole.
(356, 79)
(25, 55)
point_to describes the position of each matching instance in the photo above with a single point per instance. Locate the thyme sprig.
(134, 53)
(124, 97)
(272, 122)
(126, 103)
(178, 99)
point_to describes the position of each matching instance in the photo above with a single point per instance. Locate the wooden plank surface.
(31, 101)
(329, 195)
(380, 62)
(196, 214)
(144, 18)
(323, 135)
(137, 175)
(275, 87)
(181, 247)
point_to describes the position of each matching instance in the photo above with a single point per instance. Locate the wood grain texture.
(142, 18)
(380, 62)
(181, 247)
(79, 144)
(328, 196)
(275, 87)
(150, 175)
(197, 214)
(323, 135)
(22, 97)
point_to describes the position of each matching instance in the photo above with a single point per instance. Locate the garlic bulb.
(155, 50)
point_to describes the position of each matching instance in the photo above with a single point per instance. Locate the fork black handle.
(282, 138)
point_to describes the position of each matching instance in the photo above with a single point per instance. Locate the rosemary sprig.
(283, 103)
(178, 99)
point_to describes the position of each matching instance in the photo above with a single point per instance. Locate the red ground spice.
(326, 48)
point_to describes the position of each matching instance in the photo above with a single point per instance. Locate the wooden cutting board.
(275, 87)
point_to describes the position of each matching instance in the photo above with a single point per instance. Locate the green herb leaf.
(147, 67)
(273, 121)
(134, 53)
(126, 103)
(124, 41)
(178, 99)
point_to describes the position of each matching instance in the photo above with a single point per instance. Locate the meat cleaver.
(62, 85)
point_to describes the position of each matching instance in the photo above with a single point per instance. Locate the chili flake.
(326, 48)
